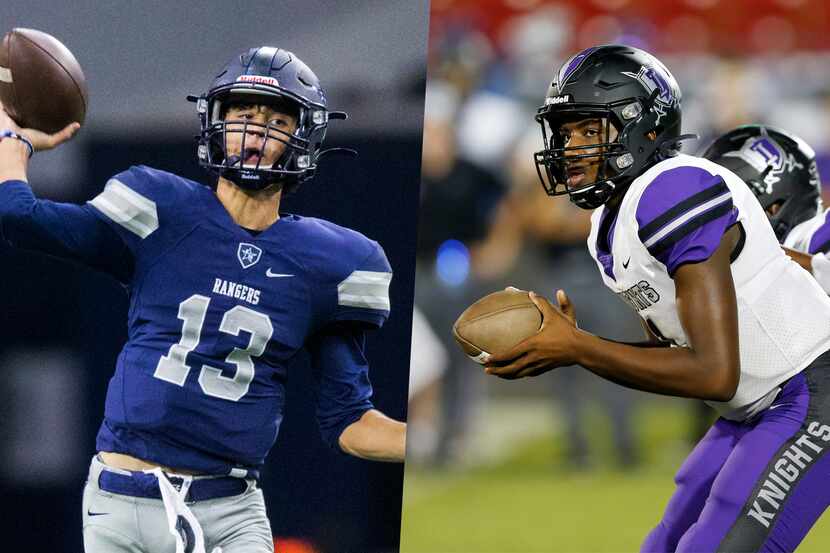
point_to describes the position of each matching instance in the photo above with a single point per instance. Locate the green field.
(524, 503)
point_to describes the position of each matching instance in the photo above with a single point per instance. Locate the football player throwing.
(224, 293)
(685, 243)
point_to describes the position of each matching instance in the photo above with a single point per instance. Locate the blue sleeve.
(344, 391)
(68, 231)
(364, 294)
(683, 214)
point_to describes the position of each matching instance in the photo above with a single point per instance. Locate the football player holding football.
(780, 168)
(685, 243)
(224, 293)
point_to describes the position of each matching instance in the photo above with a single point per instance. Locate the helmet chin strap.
(233, 160)
(595, 196)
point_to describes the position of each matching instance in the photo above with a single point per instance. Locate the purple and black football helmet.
(778, 166)
(629, 89)
(264, 75)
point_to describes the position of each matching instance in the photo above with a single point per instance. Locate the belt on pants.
(140, 484)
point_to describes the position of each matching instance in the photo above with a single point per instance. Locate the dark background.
(62, 325)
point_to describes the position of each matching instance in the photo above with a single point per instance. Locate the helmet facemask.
(558, 163)
(298, 159)
(632, 150)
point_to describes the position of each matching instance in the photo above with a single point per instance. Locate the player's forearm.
(375, 437)
(818, 265)
(670, 371)
(803, 259)
(64, 230)
(14, 160)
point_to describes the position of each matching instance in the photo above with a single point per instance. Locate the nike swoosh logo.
(626, 262)
(269, 274)
(90, 513)
(777, 405)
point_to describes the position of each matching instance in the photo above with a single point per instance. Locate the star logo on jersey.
(248, 254)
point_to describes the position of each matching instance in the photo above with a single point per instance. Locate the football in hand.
(41, 83)
(496, 323)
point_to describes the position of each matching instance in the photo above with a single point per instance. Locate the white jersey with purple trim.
(676, 213)
(811, 236)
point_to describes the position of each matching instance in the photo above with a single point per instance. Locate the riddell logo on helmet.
(258, 79)
(555, 100)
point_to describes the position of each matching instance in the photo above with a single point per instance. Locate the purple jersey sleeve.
(342, 371)
(68, 231)
(820, 240)
(683, 214)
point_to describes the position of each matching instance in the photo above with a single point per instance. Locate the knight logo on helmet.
(652, 79)
(779, 168)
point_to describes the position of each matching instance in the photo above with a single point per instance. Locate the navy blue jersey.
(216, 316)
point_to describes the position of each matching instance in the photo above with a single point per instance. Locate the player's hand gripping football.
(549, 348)
(39, 139)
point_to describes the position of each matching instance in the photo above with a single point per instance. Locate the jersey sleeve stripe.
(690, 226)
(820, 239)
(369, 289)
(128, 208)
(822, 248)
(702, 197)
(725, 198)
(369, 302)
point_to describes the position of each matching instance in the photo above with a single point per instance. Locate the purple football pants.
(756, 485)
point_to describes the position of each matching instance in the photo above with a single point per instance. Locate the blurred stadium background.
(565, 462)
(61, 326)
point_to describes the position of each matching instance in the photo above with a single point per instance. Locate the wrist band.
(23, 139)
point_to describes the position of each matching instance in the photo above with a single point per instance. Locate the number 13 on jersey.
(173, 368)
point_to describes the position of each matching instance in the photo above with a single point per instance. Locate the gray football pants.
(115, 523)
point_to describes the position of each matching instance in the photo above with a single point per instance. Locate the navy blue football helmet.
(264, 75)
(625, 87)
(778, 166)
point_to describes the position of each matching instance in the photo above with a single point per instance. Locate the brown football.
(496, 323)
(41, 83)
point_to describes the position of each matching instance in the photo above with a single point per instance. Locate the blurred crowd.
(485, 220)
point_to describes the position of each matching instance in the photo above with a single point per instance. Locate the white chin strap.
(179, 515)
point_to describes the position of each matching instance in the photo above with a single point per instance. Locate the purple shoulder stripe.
(683, 214)
(820, 240)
